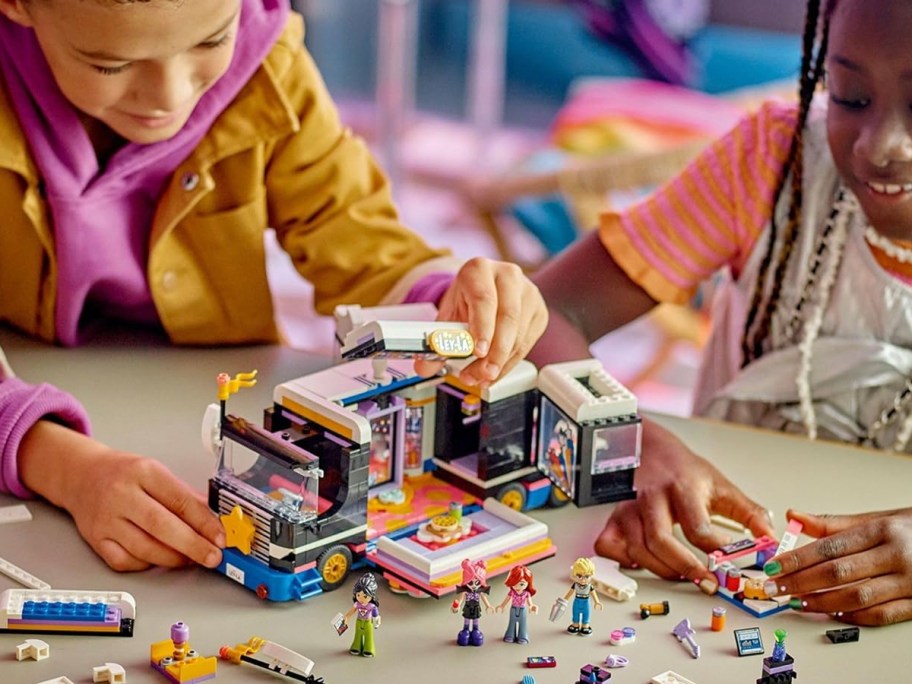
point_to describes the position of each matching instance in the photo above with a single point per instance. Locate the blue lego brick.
(63, 611)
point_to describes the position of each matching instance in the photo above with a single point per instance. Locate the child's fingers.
(128, 547)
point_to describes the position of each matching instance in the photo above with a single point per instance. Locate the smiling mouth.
(888, 189)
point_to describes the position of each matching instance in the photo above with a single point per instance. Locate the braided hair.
(769, 279)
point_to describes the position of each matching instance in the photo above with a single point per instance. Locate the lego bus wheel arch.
(334, 564)
(513, 495)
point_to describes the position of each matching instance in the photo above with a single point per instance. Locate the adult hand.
(130, 509)
(505, 313)
(675, 485)
(859, 569)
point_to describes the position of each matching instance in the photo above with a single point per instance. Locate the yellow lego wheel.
(334, 564)
(557, 498)
(513, 495)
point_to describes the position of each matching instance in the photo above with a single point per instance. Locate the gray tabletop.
(150, 399)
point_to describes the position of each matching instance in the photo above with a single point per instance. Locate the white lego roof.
(600, 397)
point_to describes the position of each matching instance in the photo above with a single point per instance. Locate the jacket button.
(169, 280)
(189, 181)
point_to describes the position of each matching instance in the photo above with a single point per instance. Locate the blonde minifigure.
(581, 572)
(520, 597)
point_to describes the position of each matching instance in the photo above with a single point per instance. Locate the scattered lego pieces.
(684, 633)
(109, 672)
(748, 641)
(35, 649)
(670, 677)
(17, 513)
(844, 635)
(541, 661)
(647, 609)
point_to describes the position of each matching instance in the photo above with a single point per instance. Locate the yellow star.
(239, 530)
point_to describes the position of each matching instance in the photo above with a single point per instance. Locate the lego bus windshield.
(270, 473)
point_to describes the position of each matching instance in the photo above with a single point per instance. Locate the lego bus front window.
(285, 488)
(616, 447)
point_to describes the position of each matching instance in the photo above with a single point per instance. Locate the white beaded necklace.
(832, 244)
(901, 254)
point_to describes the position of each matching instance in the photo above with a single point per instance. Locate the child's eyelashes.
(212, 44)
(110, 71)
(847, 103)
(207, 45)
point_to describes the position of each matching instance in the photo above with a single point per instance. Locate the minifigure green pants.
(363, 640)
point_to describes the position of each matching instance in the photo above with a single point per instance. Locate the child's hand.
(859, 569)
(675, 485)
(131, 510)
(505, 313)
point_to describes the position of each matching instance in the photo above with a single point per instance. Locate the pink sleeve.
(709, 216)
(430, 288)
(21, 406)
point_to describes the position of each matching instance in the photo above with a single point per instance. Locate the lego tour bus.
(368, 463)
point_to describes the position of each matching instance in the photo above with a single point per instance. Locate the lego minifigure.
(474, 592)
(364, 595)
(581, 573)
(520, 598)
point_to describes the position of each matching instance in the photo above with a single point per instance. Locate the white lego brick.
(604, 397)
(522, 378)
(610, 581)
(57, 680)
(22, 576)
(17, 513)
(282, 658)
(670, 677)
(109, 672)
(36, 649)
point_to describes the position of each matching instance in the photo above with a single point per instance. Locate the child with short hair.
(809, 208)
(145, 147)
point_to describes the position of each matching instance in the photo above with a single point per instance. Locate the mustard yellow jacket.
(277, 157)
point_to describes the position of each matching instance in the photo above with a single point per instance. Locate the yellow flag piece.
(228, 385)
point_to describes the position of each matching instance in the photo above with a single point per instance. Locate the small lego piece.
(612, 660)
(647, 609)
(109, 672)
(21, 576)
(619, 637)
(748, 641)
(670, 677)
(177, 661)
(366, 605)
(272, 657)
(57, 680)
(789, 538)
(473, 591)
(581, 572)
(339, 624)
(520, 599)
(779, 668)
(844, 635)
(541, 661)
(528, 679)
(611, 582)
(593, 674)
(17, 513)
(718, 619)
(685, 634)
(36, 649)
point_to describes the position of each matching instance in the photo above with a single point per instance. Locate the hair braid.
(759, 318)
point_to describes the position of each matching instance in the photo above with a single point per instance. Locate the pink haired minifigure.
(474, 590)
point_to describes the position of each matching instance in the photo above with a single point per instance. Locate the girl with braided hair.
(807, 208)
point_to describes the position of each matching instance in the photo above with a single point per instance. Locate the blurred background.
(508, 125)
